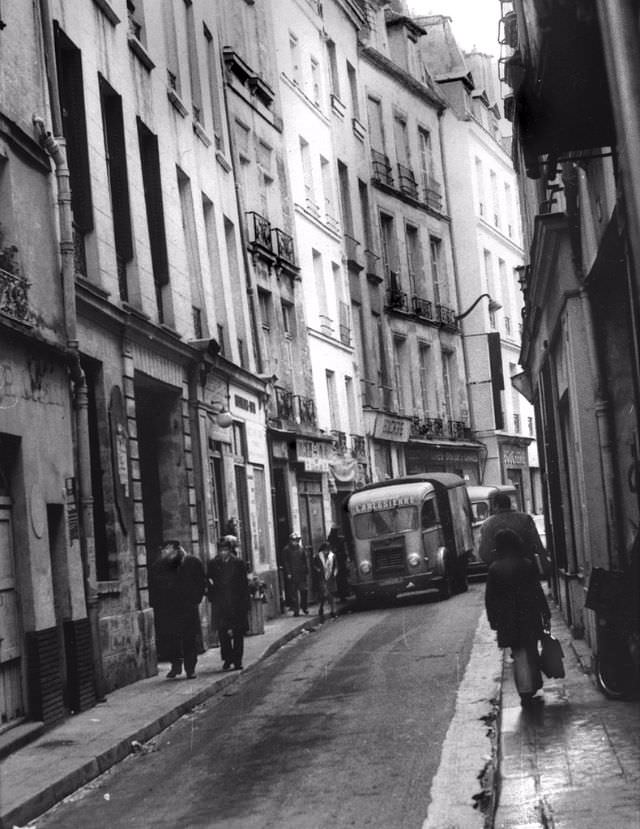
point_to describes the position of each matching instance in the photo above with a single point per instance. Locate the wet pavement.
(573, 760)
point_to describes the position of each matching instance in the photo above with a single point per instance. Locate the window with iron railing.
(407, 181)
(344, 323)
(433, 195)
(339, 441)
(259, 230)
(358, 446)
(382, 170)
(284, 246)
(423, 307)
(516, 423)
(14, 300)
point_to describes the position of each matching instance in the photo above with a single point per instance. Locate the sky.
(474, 22)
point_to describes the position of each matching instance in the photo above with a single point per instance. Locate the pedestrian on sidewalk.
(336, 540)
(177, 587)
(296, 570)
(507, 518)
(325, 566)
(517, 610)
(228, 592)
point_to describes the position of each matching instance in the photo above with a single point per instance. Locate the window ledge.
(107, 9)
(222, 161)
(176, 102)
(359, 129)
(201, 133)
(140, 52)
(109, 588)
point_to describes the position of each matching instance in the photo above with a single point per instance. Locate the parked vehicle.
(482, 500)
(409, 535)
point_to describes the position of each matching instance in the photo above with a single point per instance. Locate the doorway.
(11, 691)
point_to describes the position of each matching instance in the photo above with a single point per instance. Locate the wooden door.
(11, 697)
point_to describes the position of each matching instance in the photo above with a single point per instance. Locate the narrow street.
(343, 726)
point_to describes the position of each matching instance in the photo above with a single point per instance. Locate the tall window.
(508, 203)
(426, 158)
(315, 81)
(365, 213)
(194, 70)
(213, 256)
(424, 356)
(401, 139)
(376, 131)
(191, 242)
(345, 198)
(215, 84)
(387, 233)
(398, 373)
(490, 278)
(116, 159)
(294, 56)
(437, 270)
(135, 20)
(447, 378)
(321, 288)
(351, 404)
(334, 78)
(307, 176)
(414, 258)
(265, 177)
(493, 178)
(332, 397)
(353, 90)
(327, 189)
(74, 126)
(173, 61)
(150, 163)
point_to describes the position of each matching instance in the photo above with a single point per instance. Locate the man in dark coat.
(177, 587)
(506, 518)
(296, 571)
(517, 609)
(229, 596)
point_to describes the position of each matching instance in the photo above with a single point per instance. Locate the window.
(401, 139)
(213, 260)
(530, 426)
(190, 238)
(353, 90)
(334, 79)
(491, 287)
(321, 290)
(398, 373)
(194, 70)
(288, 321)
(294, 55)
(435, 246)
(307, 177)
(265, 178)
(414, 258)
(152, 185)
(509, 209)
(116, 161)
(494, 198)
(215, 85)
(173, 60)
(351, 404)
(480, 187)
(424, 356)
(447, 377)
(376, 131)
(264, 302)
(315, 81)
(135, 20)
(387, 232)
(327, 190)
(426, 159)
(221, 338)
(365, 213)
(332, 397)
(345, 198)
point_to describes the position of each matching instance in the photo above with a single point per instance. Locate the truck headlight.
(365, 567)
(414, 560)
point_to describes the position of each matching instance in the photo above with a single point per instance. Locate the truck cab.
(409, 535)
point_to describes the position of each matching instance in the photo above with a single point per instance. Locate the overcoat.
(228, 592)
(516, 606)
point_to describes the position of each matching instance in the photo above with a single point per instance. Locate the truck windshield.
(383, 522)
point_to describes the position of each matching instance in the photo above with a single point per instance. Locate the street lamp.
(493, 306)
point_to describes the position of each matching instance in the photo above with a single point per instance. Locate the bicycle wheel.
(615, 671)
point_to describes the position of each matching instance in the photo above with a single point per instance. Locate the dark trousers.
(182, 641)
(298, 595)
(231, 644)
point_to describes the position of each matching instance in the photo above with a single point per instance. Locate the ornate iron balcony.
(407, 181)
(458, 430)
(358, 446)
(260, 231)
(433, 193)
(339, 441)
(381, 168)
(284, 246)
(446, 316)
(429, 428)
(397, 299)
(306, 410)
(284, 403)
(423, 307)
(14, 301)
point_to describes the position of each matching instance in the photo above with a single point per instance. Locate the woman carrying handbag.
(517, 610)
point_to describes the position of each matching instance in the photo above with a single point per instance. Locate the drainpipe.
(56, 149)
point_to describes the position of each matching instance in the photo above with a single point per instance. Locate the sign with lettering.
(392, 428)
(514, 456)
(385, 503)
(315, 456)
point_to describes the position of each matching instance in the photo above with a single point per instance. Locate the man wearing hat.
(228, 593)
(296, 572)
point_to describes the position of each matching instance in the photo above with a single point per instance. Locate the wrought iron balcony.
(429, 428)
(358, 446)
(458, 430)
(422, 307)
(433, 193)
(339, 441)
(407, 181)
(305, 410)
(284, 403)
(381, 168)
(260, 231)
(446, 316)
(284, 246)
(397, 299)
(14, 301)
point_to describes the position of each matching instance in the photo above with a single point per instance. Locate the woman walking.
(325, 566)
(517, 610)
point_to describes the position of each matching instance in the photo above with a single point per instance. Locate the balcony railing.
(306, 410)
(397, 299)
(358, 446)
(407, 181)
(433, 193)
(260, 231)
(429, 428)
(284, 403)
(294, 408)
(446, 316)
(339, 441)
(381, 168)
(14, 301)
(284, 246)
(458, 430)
(423, 307)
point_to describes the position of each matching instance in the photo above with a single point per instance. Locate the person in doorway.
(325, 567)
(507, 518)
(296, 571)
(517, 610)
(228, 592)
(178, 585)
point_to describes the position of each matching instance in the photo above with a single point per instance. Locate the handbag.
(551, 657)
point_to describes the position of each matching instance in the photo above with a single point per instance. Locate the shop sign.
(256, 442)
(243, 404)
(514, 456)
(441, 455)
(314, 455)
(392, 428)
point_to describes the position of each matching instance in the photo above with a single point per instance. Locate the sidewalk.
(35, 777)
(572, 761)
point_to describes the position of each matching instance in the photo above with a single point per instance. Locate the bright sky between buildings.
(474, 22)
